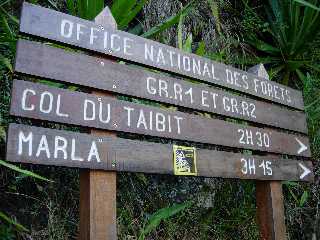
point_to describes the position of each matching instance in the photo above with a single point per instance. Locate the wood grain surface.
(62, 148)
(53, 63)
(60, 27)
(39, 101)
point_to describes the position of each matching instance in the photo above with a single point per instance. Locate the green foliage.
(124, 11)
(169, 22)
(305, 3)
(87, 9)
(23, 171)
(221, 210)
(296, 187)
(6, 233)
(187, 45)
(216, 14)
(161, 215)
(292, 30)
(12, 222)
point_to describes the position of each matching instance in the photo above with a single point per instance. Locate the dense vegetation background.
(282, 34)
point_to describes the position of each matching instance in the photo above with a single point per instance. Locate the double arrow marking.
(302, 146)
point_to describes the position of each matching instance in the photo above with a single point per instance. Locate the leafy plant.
(305, 3)
(292, 187)
(87, 9)
(161, 215)
(215, 12)
(12, 222)
(169, 22)
(23, 171)
(125, 11)
(292, 30)
(187, 45)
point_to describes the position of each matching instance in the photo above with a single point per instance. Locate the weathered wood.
(97, 205)
(269, 196)
(44, 61)
(99, 187)
(71, 30)
(270, 210)
(45, 146)
(47, 103)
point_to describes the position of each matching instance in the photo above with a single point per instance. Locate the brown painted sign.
(61, 148)
(71, 30)
(46, 103)
(44, 61)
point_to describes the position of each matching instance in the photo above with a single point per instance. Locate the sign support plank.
(98, 188)
(269, 197)
(270, 210)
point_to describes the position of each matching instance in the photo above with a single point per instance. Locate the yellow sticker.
(184, 160)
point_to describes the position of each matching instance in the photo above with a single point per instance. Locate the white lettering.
(150, 89)
(148, 52)
(23, 100)
(42, 99)
(92, 35)
(94, 152)
(127, 46)
(60, 147)
(73, 151)
(129, 110)
(85, 111)
(63, 32)
(43, 146)
(60, 114)
(28, 139)
(160, 123)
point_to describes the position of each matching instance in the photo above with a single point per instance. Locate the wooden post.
(98, 188)
(269, 196)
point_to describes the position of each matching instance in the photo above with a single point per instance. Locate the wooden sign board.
(61, 148)
(53, 25)
(47, 103)
(54, 147)
(44, 61)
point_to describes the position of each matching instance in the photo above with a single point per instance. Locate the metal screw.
(102, 28)
(115, 125)
(114, 86)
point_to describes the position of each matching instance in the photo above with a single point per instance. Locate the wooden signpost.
(34, 58)
(47, 103)
(78, 32)
(61, 148)
(277, 123)
(98, 189)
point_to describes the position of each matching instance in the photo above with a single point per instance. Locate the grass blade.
(169, 22)
(71, 7)
(162, 214)
(25, 172)
(132, 14)
(6, 62)
(18, 226)
(305, 3)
